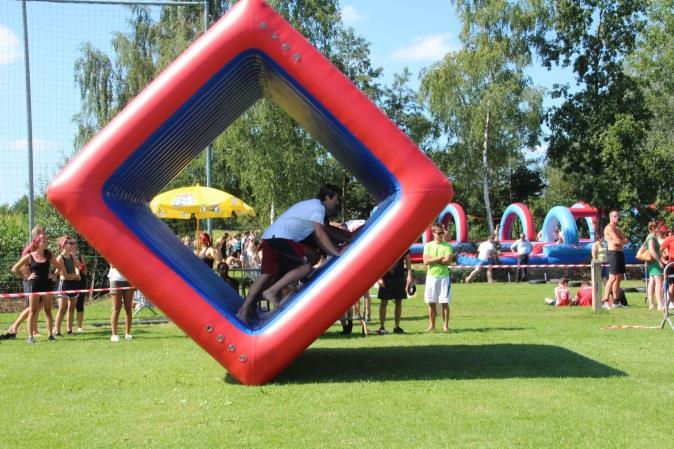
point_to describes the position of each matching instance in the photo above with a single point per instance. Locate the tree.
(652, 65)
(486, 105)
(597, 133)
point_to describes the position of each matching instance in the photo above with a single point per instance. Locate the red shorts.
(281, 255)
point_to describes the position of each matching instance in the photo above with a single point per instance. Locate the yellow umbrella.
(199, 202)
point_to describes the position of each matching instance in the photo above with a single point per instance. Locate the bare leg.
(256, 287)
(616, 285)
(445, 317)
(473, 274)
(116, 308)
(47, 311)
(128, 310)
(72, 304)
(382, 313)
(490, 276)
(63, 308)
(608, 289)
(33, 312)
(658, 291)
(398, 311)
(432, 313)
(651, 291)
(294, 275)
(23, 316)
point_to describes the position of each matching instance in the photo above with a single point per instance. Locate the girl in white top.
(119, 297)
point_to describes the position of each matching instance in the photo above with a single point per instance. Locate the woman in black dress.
(394, 286)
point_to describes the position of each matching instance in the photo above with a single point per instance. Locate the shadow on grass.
(496, 361)
(372, 328)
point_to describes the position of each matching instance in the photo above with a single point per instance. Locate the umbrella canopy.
(199, 202)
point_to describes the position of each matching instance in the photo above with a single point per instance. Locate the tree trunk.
(485, 175)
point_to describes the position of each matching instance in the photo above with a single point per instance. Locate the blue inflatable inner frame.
(243, 81)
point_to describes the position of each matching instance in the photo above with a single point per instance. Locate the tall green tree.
(598, 131)
(487, 107)
(652, 65)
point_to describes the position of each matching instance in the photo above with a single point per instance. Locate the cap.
(663, 229)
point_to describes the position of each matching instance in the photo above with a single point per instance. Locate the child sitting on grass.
(584, 294)
(562, 295)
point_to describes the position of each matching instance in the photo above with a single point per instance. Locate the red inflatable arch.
(250, 53)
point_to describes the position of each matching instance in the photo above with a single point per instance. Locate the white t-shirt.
(115, 276)
(298, 222)
(522, 246)
(484, 251)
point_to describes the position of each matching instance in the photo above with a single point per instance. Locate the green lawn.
(512, 373)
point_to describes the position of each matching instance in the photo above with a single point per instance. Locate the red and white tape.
(58, 292)
(472, 267)
(453, 267)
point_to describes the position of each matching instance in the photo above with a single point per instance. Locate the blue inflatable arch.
(560, 216)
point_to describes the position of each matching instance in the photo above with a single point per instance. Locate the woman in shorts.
(69, 279)
(39, 260)
(124, 296)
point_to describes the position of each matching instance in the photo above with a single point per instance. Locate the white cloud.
(10, 46)
(351, 15)
(430, 47)
(38, 145)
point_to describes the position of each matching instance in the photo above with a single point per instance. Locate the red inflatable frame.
(249, 54)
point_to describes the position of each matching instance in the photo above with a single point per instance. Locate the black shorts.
(41, 285)
(616, 262)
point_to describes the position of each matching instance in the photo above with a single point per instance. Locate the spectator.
(438, 255)
(485, 254)
(393, 286)
(69, 279)
(234, 260)
(562, 296)
(523, 248)
(283, 259)
(616, 257)
(599, 251)
(654, 268)
(667, 256)
(583, 296)
(84, 278)
(24, 273)
(558, 236)
(123, 296)
(205, 250)
(223, 271)
(39, 261)
(187, 241)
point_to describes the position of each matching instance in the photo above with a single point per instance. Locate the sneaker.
(70, 332)
(398, 330)
(52, 338)
(128, 337)
(30, 340)
(382, 331)
(58, 334)
(114, 338)
(80, 330)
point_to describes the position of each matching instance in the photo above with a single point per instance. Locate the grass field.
(511, 373)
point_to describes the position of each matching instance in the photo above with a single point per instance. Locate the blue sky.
(401, 32)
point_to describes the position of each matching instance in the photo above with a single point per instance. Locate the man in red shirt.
(667, 256)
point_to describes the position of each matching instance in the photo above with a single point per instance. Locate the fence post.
(595, 267)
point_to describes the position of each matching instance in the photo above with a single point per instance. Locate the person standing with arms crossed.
(438, 254)
(615, 255)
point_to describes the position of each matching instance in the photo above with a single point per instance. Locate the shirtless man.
(616, 257)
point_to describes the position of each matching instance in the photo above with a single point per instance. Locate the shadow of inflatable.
(496, 361)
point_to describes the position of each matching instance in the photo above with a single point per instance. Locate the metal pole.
(209, 148)
(29, 117)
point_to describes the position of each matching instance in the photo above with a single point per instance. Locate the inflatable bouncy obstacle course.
(250, 53)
